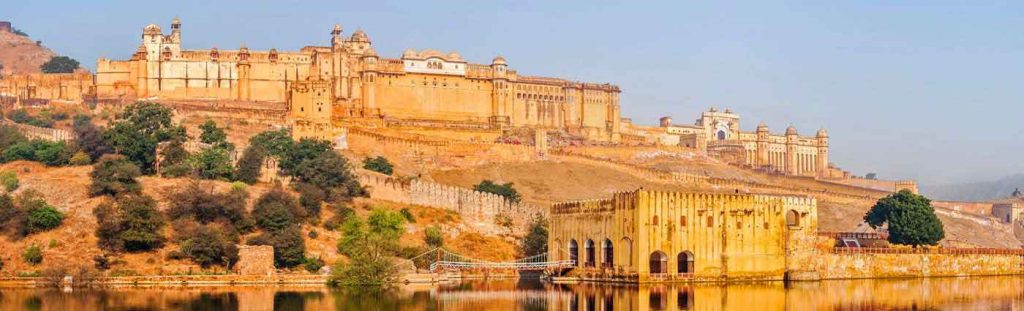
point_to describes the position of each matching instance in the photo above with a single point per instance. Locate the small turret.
(791, 131)
(665, 121)
(336, 39)
(243, 53)
(822, 133)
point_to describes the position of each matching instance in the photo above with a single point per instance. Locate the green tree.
(212, 163)
(289, 247)
(33, 255)
(505, 190)
(173, 157)
(89, 137)
(311, 198)
(371, 248)
(910, 218)
(39, 215)
(139, 129)
(79, 159)
(331, 173)
(19, 32)
(536, 240)
(277, 143)
(277, 210)
(201, 203)
(209, 245)
(250, 165)
(131, 223)
(379, 164)
(214, 135)
(114, 174)
(59, 64)
(433, 236)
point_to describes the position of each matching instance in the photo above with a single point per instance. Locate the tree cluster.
(379, 164)
(506, 190)
(371, 247)
(27, 213)
(59, 64)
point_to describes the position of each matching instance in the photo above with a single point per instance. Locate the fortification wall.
(482, 211)
(851, 263)
(977, 208)
(44, 133)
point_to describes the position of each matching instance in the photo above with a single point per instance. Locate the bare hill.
(21, 54)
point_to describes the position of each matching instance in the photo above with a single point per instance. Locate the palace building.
(656, 236)
(420, 86)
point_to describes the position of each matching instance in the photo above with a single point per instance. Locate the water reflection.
(992, 293)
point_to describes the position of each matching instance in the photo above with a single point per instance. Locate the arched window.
(721, 135)
(792, 218)
(627, 252)
(574, 252)
(609, 254)
(590, 253)
(659, 262)
(684, 262)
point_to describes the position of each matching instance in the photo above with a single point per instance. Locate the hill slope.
(976, 191)
(21, 54)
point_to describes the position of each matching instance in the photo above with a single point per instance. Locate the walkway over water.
(441, 259)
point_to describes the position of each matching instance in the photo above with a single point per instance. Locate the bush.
(113, 175)
(312, 234)
(44, 218)
(80, 158)
(199, 202)
(59, 64)
(10, 136)
(9, 180)
(311, 198)
(536, 240)
(505, 190)
(370, 248)
(277, 210)
(130, 223)
(89, 138)
(313, 265)
(407, 215)
(49, 153)
(250, 165)
(379, 164)
(33, 255)
(331, 173)
(210, 245)
(212, 163)
(289, 247)
(101, 262)
(277, 143)
(433, 236)
(214, 136)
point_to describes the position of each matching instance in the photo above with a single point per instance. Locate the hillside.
(21, 54)
(74, 243)
(975, 191)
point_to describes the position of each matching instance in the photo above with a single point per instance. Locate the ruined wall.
(255, 260)
(49, 86)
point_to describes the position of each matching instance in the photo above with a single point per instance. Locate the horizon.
(914, 72)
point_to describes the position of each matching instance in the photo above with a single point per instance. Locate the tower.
(665, 121)
(311, 109)
(500, 95)
(791, 156)
(822, 158)
(176, 31)
(244, 73)
(369, 79)
(762, 146)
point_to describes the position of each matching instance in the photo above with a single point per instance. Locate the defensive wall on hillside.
(36, 132)
(479, 210)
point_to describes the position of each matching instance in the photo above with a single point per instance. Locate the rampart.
(480, 210)
(851, 263)
(36, 132)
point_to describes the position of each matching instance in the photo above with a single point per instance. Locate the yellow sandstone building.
(656, 236)
(420, 87)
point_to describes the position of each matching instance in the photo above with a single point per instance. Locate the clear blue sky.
(929, 90)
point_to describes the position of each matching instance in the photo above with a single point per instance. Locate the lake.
(975, 293)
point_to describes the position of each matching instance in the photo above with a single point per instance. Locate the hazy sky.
(929, 90)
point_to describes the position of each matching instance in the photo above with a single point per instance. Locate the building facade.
(653, 236)
(419, 86)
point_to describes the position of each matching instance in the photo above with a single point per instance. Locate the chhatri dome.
(791, 130)
(498, 60)
(152, 29)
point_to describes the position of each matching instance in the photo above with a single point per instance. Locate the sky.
(925, 90)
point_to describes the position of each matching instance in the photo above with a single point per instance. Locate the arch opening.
(574, 252)
(684, 262)
(590, 253)
(609, 254)
(659, 262)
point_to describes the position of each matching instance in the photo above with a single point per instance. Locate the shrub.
(33, 255)
(250, 165)
(199, 202)
(379, 164)
(214, 136)
(312, 234)
(277, 210)
(536, 240)
(80, 158)
(44, 218)
(101, 262)
(311, 198)
(10, 136)
(210, 245)
(370, 248)
(289, 247)
(49, 153)
(89, 138)
(505, 190)
(331, 173)
(212, 163)
(407, 215)
(114, 174)
(313, 265)
(130, 223)
(59, 64)
(277, 143)
(433, 236)
(9, 180)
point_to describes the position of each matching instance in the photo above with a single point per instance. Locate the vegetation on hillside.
(22, 116)
(910, 218)
(371, 248)
(59, 64)
(379, 164)
(27, 213)
(536, 240)
(131, 222)
(506, 190)
(139, 129)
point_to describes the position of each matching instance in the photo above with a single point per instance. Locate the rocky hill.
(20, 54)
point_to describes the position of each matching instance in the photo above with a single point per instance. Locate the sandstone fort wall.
(43, 133)
(849, 263)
